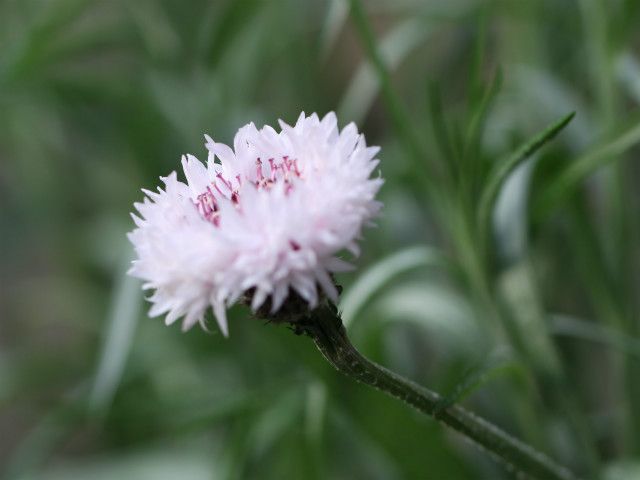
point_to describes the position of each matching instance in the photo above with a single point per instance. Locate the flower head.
(268, 217)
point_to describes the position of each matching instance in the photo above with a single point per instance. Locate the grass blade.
(578, 170)
(365, 84)
(382, 272)
(498, 363)
(397, 110)
(503, 169)
(231, 22)
(628, 74)
(337, 14)
(121, 326)
(476, 125)
(564, 325)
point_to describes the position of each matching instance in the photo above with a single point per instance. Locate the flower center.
(266, 176)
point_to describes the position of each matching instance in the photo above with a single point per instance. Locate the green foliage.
(503, 168)
(509, 285)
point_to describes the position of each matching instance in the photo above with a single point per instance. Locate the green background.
(524, 309)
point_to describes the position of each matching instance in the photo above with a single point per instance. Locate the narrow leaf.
(365, 84)
(579, 169)
(441, 131)
(503, 169)
(496, 364)
(614, 339)
(382, 272)
(231, 22)
(475, 128)
(398, 112)
(333, 24)
(120, 330)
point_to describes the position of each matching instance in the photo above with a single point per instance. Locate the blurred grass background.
(524, 309)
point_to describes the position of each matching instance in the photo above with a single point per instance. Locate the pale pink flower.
(268, 216)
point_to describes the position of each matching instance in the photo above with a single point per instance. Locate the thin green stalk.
(556, 382)
(620, 219)
(400, 119)
(325, 327)
(398, 114)
(608, 305)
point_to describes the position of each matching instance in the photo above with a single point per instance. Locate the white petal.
(327, 284)
(220, 313)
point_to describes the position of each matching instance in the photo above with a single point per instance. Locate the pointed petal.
(327, 284)
(220, 313)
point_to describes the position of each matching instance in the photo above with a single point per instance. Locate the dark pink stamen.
(274, 169)
(294, 245)
(207, 202)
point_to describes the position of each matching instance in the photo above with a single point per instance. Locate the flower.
(267, 217)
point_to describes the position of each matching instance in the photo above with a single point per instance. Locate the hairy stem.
(325, 327)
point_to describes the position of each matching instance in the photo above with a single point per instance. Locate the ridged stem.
(325, 327)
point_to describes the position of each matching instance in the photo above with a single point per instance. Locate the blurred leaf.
(628, 73)
(315, 417)
(186, 102)
(504, 167)
(187, 462)
(156, 30)
(50, 431)
(337, 14)
(315, 411)
(519, 291)
(365, 84)
(478, 119)
(376, 276)
(510, 222)
(498, 362)
(577, 170)
(235, 17)
(207, 412)
(533, 95)
(623, 470)
(442, 311)
(565, 325)
(280, 416)
(31, 51)
(120, 330)
(442, 133)
(365, 451)
(402, 123)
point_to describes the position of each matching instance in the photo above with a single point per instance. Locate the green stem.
(400, 119)
(325, 327)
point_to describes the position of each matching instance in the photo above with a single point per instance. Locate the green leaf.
(49, 432)
(315, 411)
(365, 83)
(396, 108)
(441, 311)
(623, 469)
(503, 169)
(191, 461)
(579, 169)
(120, 330)
(498, 363)
(628, 73)
(382, 272)
(315, 420)
(31, 52)
(475, 128)
(442, 134)
(235, 17)
(337, 13)
(564, 325)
